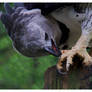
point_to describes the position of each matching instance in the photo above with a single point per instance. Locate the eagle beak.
(53, 49)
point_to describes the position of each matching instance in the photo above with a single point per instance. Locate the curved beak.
(53, 49)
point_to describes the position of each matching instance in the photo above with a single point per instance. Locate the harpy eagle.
(36, 29)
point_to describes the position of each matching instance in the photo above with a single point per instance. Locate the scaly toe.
(87, 61)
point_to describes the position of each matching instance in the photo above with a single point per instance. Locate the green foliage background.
(18, 71)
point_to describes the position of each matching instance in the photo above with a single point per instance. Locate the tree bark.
(78, 77)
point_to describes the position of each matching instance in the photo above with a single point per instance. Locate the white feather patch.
(72, 20)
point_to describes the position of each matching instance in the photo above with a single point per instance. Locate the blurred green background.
(18, 71)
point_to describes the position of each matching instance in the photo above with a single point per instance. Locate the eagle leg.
(81, 45)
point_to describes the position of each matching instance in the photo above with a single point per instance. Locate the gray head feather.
(8, 9)
(27, 29)
(19, 5)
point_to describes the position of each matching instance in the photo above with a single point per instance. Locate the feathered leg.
(80, 46)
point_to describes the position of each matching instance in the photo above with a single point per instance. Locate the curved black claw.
(62, 72)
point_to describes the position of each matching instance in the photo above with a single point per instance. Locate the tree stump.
(78, 77)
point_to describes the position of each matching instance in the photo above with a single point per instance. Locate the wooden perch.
(78, 77)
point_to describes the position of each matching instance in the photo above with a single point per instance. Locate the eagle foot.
(73, 58)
